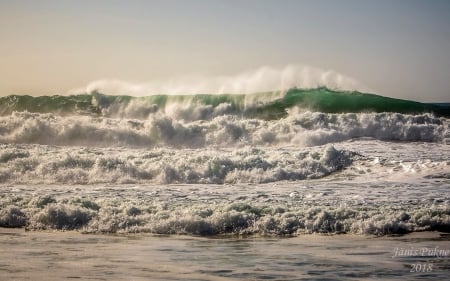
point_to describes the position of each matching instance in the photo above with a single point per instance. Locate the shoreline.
(426, 234)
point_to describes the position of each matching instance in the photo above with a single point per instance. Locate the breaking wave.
(65, 160)
(268, 106)
(159, 130)
(50, 165)
(194, 211)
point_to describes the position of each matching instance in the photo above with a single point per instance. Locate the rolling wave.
(268, 106)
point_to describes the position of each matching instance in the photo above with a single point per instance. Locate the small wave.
(247, 165)
(239, 218)
(12, 216)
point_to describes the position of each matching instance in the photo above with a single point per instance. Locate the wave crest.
(265, 105)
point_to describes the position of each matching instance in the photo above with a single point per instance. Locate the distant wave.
(268, 106)
(298, 117)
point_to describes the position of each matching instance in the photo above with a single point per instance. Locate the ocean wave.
(298, 128)
(267, 106)
(37, 164)
(238, 218)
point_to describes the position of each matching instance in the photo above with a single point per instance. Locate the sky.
(395, 48)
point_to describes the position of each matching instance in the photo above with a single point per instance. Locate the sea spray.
(263, 79)
(264, 105)
(275, 163)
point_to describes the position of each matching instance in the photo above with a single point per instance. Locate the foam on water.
(379, 188)
(290, 209)
(27, 164)
(160, 130)
(281, 163)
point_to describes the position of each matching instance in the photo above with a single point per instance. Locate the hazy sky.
(395, 48)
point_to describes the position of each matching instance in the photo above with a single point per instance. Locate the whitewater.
(227, 171)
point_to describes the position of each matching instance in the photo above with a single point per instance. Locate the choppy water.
(235, 172)
(379, 188)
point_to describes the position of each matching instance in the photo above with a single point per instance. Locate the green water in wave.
(48, 104)
(330, 101)
(261, 105)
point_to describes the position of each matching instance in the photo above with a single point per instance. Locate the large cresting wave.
(269, 105)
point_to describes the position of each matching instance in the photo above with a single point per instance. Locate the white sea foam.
(381, 188)
(318, 207)
(207, 172)
(160, 130)
(46, 164)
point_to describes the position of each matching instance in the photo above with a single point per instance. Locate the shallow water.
(71, 255)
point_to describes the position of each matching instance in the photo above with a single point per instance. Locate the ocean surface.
(314, 184)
